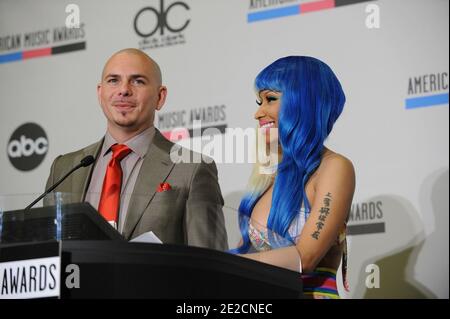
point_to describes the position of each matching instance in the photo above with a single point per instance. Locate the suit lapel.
(80, 181)
(154, 170)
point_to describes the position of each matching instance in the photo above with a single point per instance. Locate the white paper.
(148, 237)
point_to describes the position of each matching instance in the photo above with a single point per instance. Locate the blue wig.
(312, 100)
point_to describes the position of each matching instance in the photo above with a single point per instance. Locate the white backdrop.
(401, 155)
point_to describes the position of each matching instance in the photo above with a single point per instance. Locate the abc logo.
(27, 147)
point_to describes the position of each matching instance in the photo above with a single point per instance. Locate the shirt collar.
(139, 144)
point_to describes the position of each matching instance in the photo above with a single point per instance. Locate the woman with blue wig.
(294, 216)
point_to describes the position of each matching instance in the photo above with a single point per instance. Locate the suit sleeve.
(50, 181)
(204, 219)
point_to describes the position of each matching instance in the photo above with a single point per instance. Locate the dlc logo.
(149, 20)
(27, 147)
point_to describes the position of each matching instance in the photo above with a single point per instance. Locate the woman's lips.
(266, 125)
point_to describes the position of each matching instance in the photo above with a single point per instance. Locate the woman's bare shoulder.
(335, 165)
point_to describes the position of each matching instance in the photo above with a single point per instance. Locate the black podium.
(110, 267)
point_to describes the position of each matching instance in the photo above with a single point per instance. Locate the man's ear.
(162, 97)
(99, 90)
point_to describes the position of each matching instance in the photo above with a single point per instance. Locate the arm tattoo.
(324, 212)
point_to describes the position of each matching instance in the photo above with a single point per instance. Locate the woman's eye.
(259, 102)
(272, 98)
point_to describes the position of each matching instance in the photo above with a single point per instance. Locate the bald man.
(134, 184)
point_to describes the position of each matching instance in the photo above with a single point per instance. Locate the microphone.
(86, 161)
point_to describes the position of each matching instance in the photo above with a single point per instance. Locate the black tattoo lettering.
(324, 212)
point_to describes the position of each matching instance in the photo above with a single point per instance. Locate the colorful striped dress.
(319, 284)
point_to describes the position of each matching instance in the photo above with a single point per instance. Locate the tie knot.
(120, 151)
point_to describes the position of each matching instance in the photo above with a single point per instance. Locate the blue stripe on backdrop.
(11, 57)
(273, 13)
(426, 101)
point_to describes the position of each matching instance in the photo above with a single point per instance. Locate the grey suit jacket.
(190, 213)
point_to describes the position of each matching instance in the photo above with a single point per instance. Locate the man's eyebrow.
(135, 76)
(111, 75)
(132, 76)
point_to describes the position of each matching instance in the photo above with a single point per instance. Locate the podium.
(65, 222)
(110, 267)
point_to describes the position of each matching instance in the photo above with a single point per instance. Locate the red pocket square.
(162, 187)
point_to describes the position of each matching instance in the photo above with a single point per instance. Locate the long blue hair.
(312, 100)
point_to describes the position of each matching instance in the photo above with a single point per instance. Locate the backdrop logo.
(179, 125)
(366, 218)
(427, 90)
(27, 147)
(163, 26)
(272, 9)
(40, 43)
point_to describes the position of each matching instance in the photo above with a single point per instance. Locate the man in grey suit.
(180, 202)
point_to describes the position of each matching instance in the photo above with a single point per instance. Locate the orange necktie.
(112, 184)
